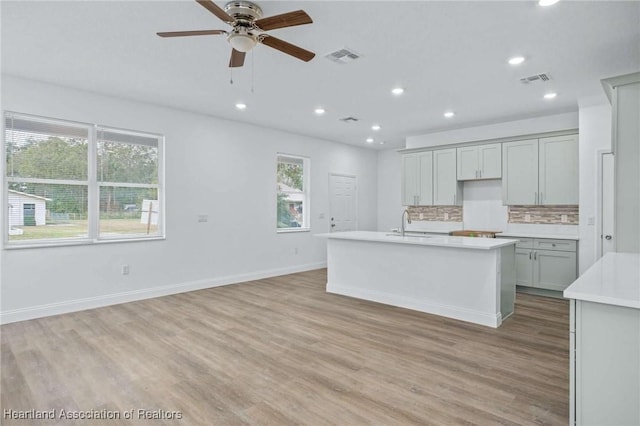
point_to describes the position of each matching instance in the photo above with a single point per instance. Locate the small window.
(292, 193)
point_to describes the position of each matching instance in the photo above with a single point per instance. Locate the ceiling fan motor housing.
(243, 11)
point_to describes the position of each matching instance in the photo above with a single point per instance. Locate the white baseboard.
(75, 305)
(477, 317)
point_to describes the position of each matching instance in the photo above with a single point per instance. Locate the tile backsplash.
(547, 215)
(436, 213)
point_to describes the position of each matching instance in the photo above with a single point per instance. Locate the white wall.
(548, 123)
(482, 207)
(216, 167)
(595, 135)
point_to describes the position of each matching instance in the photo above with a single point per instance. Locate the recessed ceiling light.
(547, 2)
(397, 91)
(516, 60)
(369, 140)
(319, 111)
(375, 127)
(449, 114)
(381, 142)
(241, 106)
(550, 95)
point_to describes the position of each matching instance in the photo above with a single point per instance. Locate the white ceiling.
(447, 55)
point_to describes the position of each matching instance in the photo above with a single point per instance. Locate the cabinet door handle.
(479, 173)
(535, 255)
(535, 196)
(530, 255)
(541, 198)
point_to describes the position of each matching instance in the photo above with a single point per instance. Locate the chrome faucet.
(406, 211)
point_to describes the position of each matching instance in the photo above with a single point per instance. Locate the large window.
(71, 182)
(292, 193)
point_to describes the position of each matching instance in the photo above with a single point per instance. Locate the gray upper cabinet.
(520, 172)
(417, 179)
(558, 170)
(479, 162)
(409, 179)
(447, 191)
(540, 171)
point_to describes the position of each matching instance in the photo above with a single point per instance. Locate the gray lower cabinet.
(604, 364)
(546, 263)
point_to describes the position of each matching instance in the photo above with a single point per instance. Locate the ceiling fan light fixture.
(242, 42)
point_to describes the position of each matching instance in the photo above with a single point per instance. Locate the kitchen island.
(604, 342)
(465, 278)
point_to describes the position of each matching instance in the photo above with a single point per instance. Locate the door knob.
(333, 225)
(607, 237)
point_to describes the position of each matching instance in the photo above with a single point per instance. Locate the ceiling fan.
(249, 28)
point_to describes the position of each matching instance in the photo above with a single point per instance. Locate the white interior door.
(607, 207)
(342, 203)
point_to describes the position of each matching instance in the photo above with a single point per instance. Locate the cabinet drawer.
(562, 245)
(525, 243)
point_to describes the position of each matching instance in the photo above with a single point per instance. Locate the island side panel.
(507, 281)
(453, 282)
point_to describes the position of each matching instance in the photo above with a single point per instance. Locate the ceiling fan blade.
(190, 33)
(288, 48)
(289, 19)
(237, 59)
(216, 10)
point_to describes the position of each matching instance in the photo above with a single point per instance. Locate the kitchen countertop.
(439, 241)
(612, 280)
(537, 235)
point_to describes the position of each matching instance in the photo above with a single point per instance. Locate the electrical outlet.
(203, 218)
(321, 216)
(125, 269)
(446, 216)
(527, 218)
(564, 218)
(591, 220)
(421, 216)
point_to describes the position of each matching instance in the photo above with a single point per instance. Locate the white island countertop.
(438, 241)
(612, 280)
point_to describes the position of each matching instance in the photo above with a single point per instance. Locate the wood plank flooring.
(282, 351)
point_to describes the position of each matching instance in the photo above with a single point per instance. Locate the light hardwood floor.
(282, 351)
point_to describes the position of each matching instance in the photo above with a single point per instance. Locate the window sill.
(20, 246)
(292, 230)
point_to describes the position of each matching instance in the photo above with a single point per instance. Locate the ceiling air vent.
(349, 119)
(537, 77)
(343, 56)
